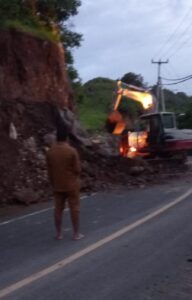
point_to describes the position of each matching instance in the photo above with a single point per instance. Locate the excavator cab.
(150, 134)
(158, 125)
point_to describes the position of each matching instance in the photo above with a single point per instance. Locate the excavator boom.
(115, 122)
(135, 93)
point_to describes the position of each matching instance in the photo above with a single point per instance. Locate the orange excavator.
(116, 123)
(155, 133)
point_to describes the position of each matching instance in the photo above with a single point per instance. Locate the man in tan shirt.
(64, 171)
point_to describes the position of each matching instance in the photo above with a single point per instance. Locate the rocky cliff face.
(32, 69)
(33, 81)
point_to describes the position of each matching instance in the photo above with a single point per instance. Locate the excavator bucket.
(115, 123)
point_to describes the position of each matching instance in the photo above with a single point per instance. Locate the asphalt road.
(137, 246)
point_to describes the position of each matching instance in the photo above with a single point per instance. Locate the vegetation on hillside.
(50, 19)
(94, 102)
(46, 19)
(95, 99)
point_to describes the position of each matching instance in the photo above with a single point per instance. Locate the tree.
(51, 15)
(129, 107)
(99, 92)
(184, 120)
(134, 79)
(55, 14)
(14, 11)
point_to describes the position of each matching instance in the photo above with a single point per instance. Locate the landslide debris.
(23, 168)
(33, 84)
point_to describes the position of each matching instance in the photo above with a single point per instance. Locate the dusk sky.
(125, 35)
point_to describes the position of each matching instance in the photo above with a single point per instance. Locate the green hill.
(97, 97)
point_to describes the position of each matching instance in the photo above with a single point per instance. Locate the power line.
(180, 47)
(170, 72)
(182, 34)
(172, 68)
(175, 31)
(177, 79)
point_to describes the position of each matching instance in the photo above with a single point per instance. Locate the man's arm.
(49, 169)
(76, 163)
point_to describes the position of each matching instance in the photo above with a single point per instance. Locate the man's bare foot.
(78, 236)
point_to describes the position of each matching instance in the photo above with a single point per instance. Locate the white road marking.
(26, 216)
(61, 264)
(36, 213)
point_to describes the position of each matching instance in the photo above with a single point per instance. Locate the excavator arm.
(135, 93)
(115, 121)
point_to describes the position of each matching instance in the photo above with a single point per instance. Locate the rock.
(30, 144)
(26, 196)
(106, 152)
(20, 108)
(85, 166)
(136, 170)
(40, 156)
(85, 142)
(79, 131)
(49, 139)
(12, 132)
(97, 141)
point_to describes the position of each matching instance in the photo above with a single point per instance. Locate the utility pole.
(160, 95)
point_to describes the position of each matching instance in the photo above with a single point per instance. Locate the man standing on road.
(64, 170)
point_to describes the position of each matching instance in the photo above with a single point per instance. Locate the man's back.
(63, 167)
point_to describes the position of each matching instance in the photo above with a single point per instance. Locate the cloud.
(123, 36)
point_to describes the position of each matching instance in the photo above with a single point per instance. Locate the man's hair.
(62, 133)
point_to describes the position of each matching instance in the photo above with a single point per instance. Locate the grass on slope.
(35, 30)
(92, 118)
(96, 103)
